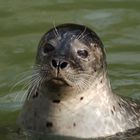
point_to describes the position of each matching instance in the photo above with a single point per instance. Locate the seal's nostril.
(59, 64)
(63, 65)
(54, 63)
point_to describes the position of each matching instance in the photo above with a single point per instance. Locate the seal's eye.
(48, 48)
(82, 53)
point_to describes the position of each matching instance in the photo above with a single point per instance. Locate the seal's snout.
(59, 64)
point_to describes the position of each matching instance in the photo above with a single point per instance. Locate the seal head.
(67, 56)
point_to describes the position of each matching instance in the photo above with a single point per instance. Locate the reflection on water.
(22, 23)
(127, 136)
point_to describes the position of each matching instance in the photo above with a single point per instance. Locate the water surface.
(22, 23)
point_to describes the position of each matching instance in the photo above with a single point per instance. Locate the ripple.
(8, 102)
(124, 58)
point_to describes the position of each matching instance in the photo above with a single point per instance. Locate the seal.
(70, 93)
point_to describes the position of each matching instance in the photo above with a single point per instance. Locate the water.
(22, 24)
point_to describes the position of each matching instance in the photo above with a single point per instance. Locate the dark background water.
(22, 23)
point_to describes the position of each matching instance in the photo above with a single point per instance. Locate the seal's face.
(69, 58)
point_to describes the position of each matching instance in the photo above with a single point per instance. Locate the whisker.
(34, 83)
(34, 87)
(33, 78)
(23, 80)
(81, 34)
(56, 31)
(27, 81)
(82, 37)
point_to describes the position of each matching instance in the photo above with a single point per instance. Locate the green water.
(22, 24)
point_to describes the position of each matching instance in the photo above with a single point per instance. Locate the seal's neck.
(101, 90)
(101, 86)
(98, 93)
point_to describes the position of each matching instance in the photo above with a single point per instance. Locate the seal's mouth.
(58, 82)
